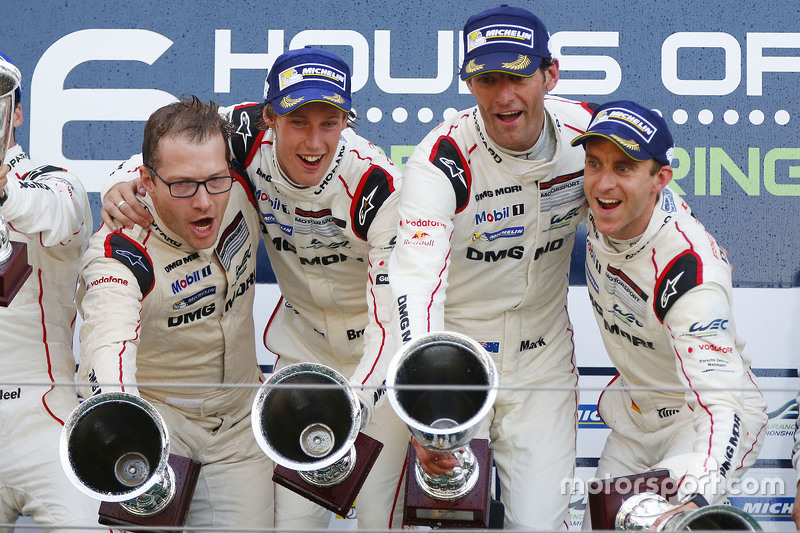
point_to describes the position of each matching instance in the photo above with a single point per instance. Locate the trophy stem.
(156, 499)
(455, 486)
(334, 474)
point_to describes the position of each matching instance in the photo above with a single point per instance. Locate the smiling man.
(490, 203)
(661, 291)
(173, 304)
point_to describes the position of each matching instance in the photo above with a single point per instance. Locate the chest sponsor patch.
(629, 294)
(131, 254)
(561, 190)
(232, 240)
(320, 222)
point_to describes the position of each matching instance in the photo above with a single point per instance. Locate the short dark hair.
(188, 118)
(546, 63)
(656, 168)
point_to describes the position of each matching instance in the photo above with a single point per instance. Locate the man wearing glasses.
(171, 306)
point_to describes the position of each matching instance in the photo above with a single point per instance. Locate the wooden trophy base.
(338, 498)
(13, 272)
(606, 495)
(174, 516)
(469, 511)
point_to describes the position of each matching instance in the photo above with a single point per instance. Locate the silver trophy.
(307, 419)
(640, 511)
(115, 448)
(442, 385)
(14, 267)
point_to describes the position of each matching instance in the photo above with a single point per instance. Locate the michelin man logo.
(288, 77)
(474, 40)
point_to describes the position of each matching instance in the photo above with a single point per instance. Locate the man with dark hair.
(46, 208)
(173, 304)
(685, 398)
(491, 201)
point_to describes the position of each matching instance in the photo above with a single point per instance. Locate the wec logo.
(718, 324)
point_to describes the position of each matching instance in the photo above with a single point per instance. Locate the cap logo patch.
(312, 71)
(336, 98)
(518, 64)
(472, 66)
(499, 33)
(287, 102)
(630, 145)
(636, 123)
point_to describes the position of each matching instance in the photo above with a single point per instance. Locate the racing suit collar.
(160, 229)
(528, 171)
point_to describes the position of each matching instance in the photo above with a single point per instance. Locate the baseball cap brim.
(631, 148)
(524, 65)
(306, 95)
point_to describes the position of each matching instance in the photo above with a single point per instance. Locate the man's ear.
(551, 75)
(18, 116)
(268, 120)
(147, 179)
(663, 178)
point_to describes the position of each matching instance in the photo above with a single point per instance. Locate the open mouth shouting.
(608, 204)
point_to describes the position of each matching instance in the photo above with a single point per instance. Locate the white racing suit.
(329, 247)
(483, 248)
(664, 311)
(157, 311)
(47, 209)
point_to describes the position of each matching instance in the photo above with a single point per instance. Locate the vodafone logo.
(108, 279)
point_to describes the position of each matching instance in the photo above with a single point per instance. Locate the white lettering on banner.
(52, 106)
(669, 63)
(586, 63)
(225, 60)
(437, 85)
(758, 64)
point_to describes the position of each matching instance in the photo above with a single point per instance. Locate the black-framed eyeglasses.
(188, 188)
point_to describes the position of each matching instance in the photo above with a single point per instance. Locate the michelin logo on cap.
(635, 122)
(497, 34)
(311, 71)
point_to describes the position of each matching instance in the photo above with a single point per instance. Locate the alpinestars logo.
(455, 171)
(366, 207)
(669, 289)
(132, 258)
(244, 127)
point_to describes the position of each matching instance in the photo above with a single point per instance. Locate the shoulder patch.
(246, 137)
(448, 158)
(681, 275)
(131, 254)
(373, 189)
(44, 169)
(232, 239)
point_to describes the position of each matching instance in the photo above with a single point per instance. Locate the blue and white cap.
(12, 70)
(504, 39)
(638, 131)
(299, 77)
